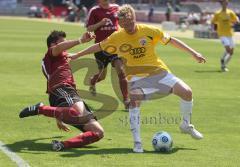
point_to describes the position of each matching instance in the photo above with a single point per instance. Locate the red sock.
(123, 85)
(66, 114)
(81, 140)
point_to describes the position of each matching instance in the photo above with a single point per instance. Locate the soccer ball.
(162, 142)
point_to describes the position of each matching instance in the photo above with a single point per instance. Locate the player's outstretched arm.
(68, 44)
(92, 49)
(181, 45)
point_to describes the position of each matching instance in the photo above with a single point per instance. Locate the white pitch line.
(13, 156)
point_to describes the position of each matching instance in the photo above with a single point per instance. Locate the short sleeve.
(164, 38)
(234, 17)
(160, 36)
(91, 18)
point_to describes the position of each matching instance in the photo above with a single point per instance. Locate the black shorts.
(66, 96)
(104, 58)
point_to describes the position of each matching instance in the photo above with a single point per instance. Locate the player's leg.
(49, 111)
(102, 62)
(101, 75)
(228, 45)
(31, 110)
(136, 95)
(141, 88)
(78, 115)
(82, 118)
(62, 107)
(118, 64)
(69, 115)
(182, 90)
(92, 132)
(230, 50)
(226, 58)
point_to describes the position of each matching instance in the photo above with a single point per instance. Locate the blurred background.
(171, 14)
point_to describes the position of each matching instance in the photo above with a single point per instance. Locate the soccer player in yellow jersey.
(224, 19)
(150, 76)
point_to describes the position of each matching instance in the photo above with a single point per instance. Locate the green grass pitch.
(215, 114)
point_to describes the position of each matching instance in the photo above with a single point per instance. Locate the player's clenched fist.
(86, 37)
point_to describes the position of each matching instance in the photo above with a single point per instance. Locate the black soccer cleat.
(30, 111)
(57, 145)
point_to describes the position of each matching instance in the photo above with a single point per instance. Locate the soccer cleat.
(224, 69)
(189, 129)
(30, 111)
(138, 147)
(92, 90)
(57, 145)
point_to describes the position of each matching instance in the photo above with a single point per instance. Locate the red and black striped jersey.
(57, 70)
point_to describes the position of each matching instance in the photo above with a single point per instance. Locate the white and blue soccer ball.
(162, 142)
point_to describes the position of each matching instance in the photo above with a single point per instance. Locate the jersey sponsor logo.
(108, 28)
(111, 49)
(138, 52)
(226, 19)
(109, 22)
(125, 47)
(135, 51)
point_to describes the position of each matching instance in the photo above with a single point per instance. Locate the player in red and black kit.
(102, 19)
(65, 104)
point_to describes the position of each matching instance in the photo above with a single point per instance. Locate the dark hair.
(54, 36)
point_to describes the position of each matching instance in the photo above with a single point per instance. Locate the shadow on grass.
(102, 151)
(111, 151)
(174, 150)
(34, 147)
(208, 71)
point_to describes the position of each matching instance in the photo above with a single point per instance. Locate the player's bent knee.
(100, 133)
(188, 94)
(227, 48)
(135, 94)
(133, 104)
(134, 99)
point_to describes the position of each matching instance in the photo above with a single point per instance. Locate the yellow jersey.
(138, 49)
(224, 21)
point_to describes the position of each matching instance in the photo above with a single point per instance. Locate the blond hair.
(126, 11)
